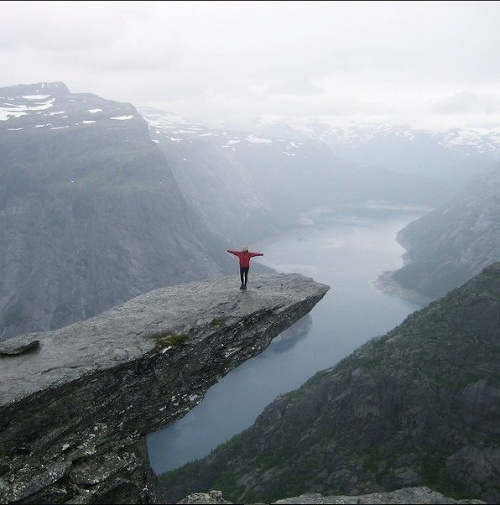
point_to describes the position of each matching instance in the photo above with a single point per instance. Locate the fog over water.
(345, 250)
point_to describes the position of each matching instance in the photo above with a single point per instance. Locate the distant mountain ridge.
(470, 142)
(400, 148)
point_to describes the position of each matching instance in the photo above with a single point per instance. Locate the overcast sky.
(424, 64)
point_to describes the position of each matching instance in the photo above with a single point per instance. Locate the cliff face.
(76, 403)
(418, 406)
(90, 213)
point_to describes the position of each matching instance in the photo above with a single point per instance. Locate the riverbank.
(387, 285)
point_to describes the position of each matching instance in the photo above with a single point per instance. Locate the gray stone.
(74, 414)
(20, 345)
(406, 495)
(401, 496)
(210, 497)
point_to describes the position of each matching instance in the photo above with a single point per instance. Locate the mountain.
(454, 242)
(455, 154)
(90, 213)
(252, 185)
(417, 406)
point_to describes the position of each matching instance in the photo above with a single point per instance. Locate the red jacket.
(244, 257)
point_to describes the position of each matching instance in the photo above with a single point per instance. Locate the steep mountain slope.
(454, 242)
(90, 214)
(219, 187)
(418, 406)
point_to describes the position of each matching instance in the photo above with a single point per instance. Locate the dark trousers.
(244, 275)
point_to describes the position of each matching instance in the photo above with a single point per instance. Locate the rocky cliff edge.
(77, 403)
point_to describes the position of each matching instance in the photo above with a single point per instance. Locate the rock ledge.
(77, 403)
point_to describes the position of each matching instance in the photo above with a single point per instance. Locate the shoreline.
(387, 285)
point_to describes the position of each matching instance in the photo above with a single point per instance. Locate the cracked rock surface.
(77, 403)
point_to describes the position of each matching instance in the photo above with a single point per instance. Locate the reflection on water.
(292, 335)
(347, 252)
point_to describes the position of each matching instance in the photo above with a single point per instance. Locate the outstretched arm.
(253, 254)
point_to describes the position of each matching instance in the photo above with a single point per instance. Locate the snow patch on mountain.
(258, 140)
(479, 140)
(11, 110)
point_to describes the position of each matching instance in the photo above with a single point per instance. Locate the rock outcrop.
(76, 403)
(408, 495)
(401, 496)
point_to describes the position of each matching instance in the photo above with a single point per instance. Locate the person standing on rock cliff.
(244, 256)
